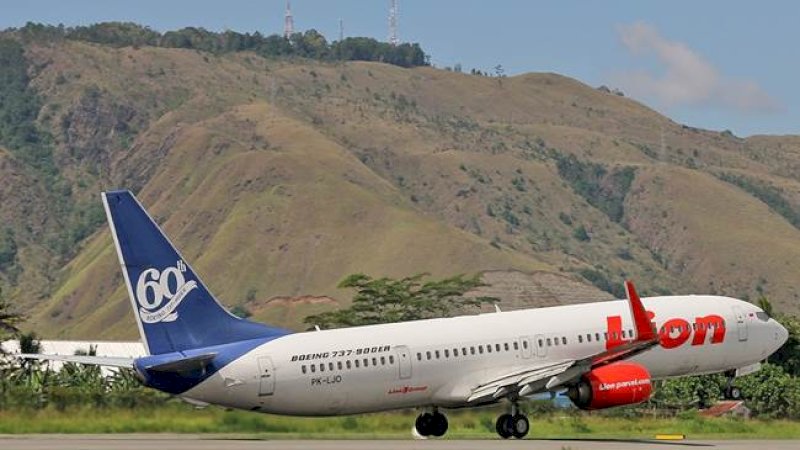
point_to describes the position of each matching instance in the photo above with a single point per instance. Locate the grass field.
(476, 424)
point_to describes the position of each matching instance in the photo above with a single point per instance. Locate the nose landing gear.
(732, 392)
(431, 424)
(514, 424)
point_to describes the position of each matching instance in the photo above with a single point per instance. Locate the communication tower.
(393, 23)
(288, 22)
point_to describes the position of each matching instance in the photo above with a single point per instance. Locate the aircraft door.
(541, 350)
(267, 377)
(525, 345)
(403, 361)
(741, 323)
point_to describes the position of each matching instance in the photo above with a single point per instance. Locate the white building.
(104, 348)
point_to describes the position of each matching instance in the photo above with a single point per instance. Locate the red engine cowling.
(617, 384)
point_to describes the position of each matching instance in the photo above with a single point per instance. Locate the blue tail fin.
(174, 310)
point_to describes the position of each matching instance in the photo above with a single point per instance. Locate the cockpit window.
(762, 316)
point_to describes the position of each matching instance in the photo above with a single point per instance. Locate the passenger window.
(588, 337)
(630, 333)
(506, 346)
(357, 364)
(313, 368)
(322, 367)
(464, 351)
(605, 336)
(383, 360)
(480, 349)
(555, 341)
(391, 359)
(564, 340)
(428, 355)
(455, 352)
(548, 342)
(525, 344)
(366, 362)
(446, 353)
(330, 366)
(472, 350)
(339, 365)
(489, 348)
(347, 363)
(374, 362)
(303, 369)
(419, 356)
(516, 345)
(497, 347)
(597, 337)
(580, 339)
(437, 354)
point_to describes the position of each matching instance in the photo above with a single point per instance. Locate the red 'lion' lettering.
(702, 324)
(673, 333)
(667, 340)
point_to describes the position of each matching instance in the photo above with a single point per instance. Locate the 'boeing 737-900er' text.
(602, 354)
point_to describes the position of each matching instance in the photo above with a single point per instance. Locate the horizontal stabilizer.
(191, 364)
(107, 361)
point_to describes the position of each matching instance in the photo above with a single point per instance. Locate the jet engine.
(616, 384)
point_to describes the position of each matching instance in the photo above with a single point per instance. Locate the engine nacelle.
(617, 384)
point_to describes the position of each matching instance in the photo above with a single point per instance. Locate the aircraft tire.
(504, 426)
(519, 426)
(438, 425)
(424, 423)
(734, 393)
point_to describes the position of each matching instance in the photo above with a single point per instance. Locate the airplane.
(602, 354)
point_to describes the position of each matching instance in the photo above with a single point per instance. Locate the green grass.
(476, 424)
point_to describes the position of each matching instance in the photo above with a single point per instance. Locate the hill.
(278, 177)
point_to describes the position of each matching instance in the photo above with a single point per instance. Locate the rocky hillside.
(279, 177)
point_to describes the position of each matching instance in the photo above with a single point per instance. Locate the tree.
(385, 300)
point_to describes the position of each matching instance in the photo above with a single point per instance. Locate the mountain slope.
(278, 178)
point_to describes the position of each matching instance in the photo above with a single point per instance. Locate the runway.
(202, 442)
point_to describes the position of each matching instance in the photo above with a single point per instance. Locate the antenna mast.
(288, 23)
(393, 23)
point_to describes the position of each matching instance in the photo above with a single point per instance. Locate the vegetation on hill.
(309, 44)
(33, 147)
(385, 300)
(768, 194)
(603, 188)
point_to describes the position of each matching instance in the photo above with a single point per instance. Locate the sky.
(711, 64)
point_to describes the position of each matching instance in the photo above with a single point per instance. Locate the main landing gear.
(731, 392)
(431, 424)
(513, 424)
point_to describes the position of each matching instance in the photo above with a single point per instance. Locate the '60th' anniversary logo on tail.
(155, 287)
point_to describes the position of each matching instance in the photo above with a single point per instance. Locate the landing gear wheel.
(519, 426)
(733, 393)
(439, 425)
(504, 426)
(431, 424)
(423, 424)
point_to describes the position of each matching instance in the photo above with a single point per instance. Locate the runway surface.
(189, 442)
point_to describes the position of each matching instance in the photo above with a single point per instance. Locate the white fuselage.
(438, 362)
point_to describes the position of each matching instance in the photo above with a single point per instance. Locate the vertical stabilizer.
(173, 308)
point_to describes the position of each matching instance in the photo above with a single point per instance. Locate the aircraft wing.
(108, 361)
(552, 374)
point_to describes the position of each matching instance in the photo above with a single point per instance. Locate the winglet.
(645, 331)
